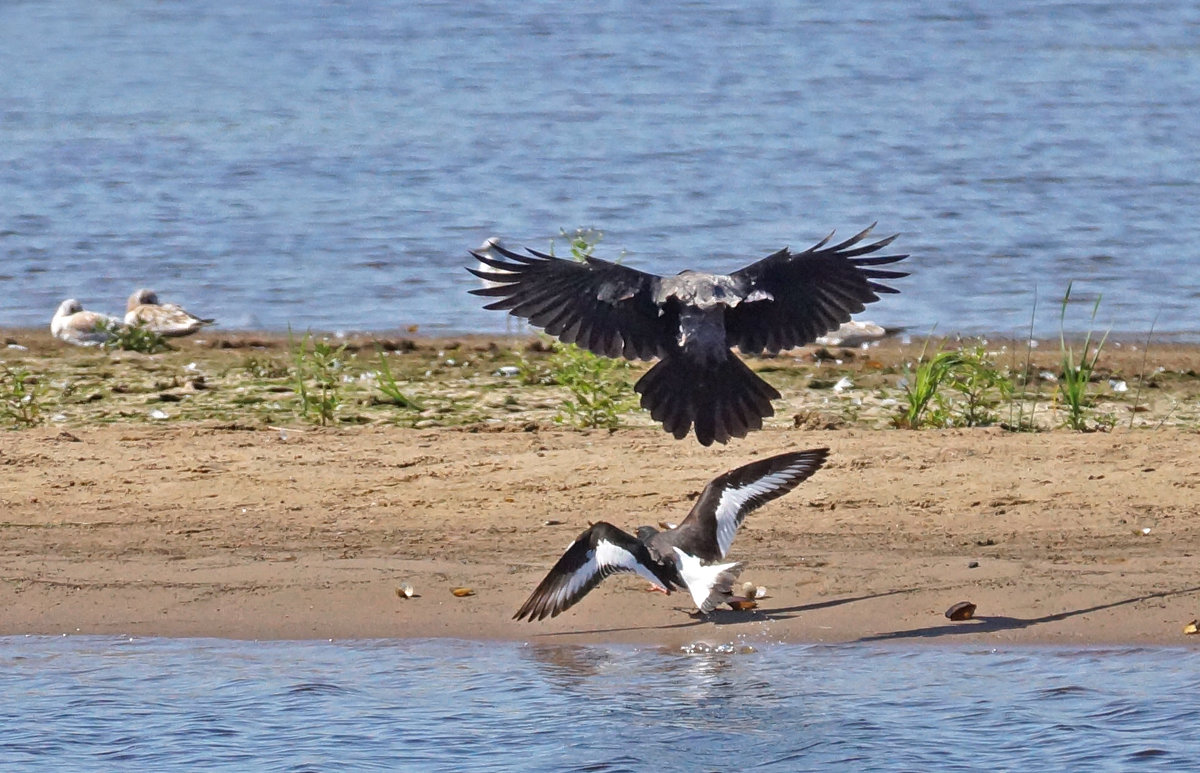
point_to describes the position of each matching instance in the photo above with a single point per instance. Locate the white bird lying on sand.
(166, 319)
(682, 557)
(855, 333)
(82, 328)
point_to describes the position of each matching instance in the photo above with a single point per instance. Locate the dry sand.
(196, 530)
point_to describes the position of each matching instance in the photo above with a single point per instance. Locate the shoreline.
(237, 518)
(216, 333)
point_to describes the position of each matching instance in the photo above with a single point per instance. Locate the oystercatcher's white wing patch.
(615, 558)
(569, 587)
(607, 558)
(736, 502)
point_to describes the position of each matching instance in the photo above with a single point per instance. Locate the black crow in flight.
(692, 320)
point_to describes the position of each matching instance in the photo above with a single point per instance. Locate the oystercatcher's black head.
(645, 533)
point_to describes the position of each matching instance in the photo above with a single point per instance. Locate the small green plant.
(1073, 383)
(134, 338)
(20, 396)
(599, 391)
(389, 387)
(980, 384)
(320, 364)
(582, 242)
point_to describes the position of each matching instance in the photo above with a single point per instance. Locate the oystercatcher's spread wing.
(708, 530)
(600, 551)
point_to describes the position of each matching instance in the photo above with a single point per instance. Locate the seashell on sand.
(963, 610)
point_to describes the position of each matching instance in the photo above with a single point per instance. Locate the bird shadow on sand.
(995, 623)
(735, 617)
(763, 614)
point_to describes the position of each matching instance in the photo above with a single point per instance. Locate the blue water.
(96, 703)
(327, 165)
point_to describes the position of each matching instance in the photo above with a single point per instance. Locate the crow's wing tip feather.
(853, 240)
(502, 265)
(493, 276)
(876, 260)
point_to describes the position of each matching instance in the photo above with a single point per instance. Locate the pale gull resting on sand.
(82, 328)
(856, 333)
(166, 319)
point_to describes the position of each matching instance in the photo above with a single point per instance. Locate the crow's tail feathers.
(722, 400)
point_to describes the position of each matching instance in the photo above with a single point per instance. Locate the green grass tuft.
(1020, 420)
(389, 387)
(1073, 381)
(923, 404)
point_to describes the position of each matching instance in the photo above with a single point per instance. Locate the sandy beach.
(268, 526)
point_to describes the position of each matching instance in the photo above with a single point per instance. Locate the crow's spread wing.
(604, 307)
(807, 294)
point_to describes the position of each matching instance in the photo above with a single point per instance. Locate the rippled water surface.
(106, 704)
(327, 165)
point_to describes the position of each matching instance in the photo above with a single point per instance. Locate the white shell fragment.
(750, 591)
